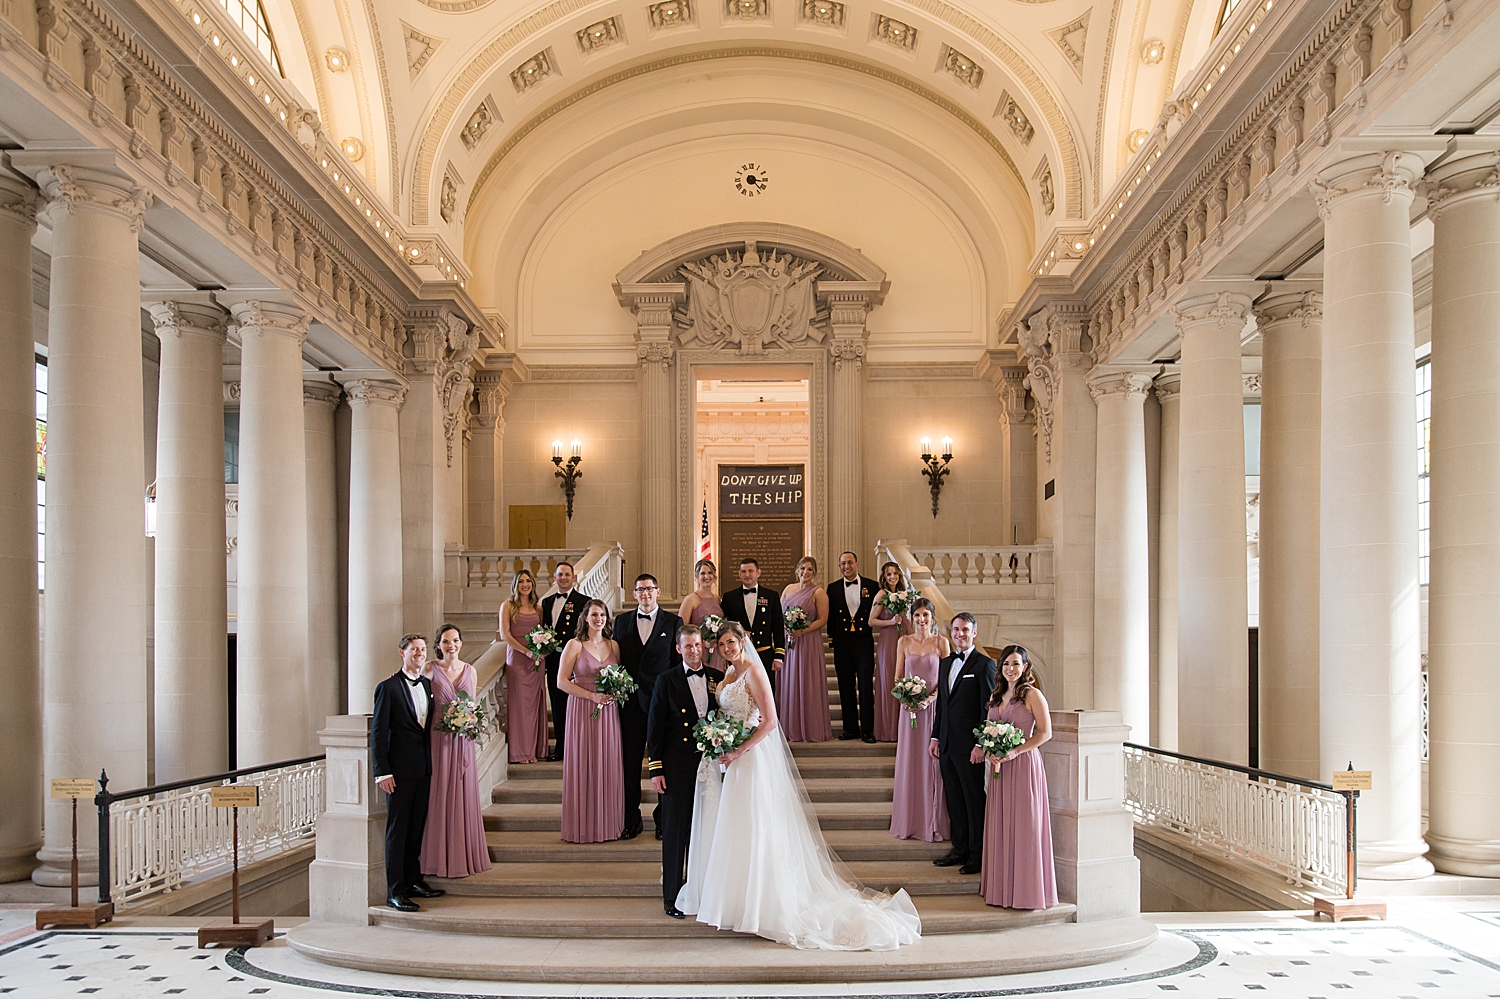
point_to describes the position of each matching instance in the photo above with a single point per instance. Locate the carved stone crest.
(750, 300)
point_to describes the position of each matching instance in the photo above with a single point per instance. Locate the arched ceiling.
(1052, 86)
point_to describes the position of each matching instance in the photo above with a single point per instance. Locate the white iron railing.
(986, 565)
(160, 838)
(1292, 828)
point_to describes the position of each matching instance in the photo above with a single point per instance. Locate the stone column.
(486, 452)
(96, 585)
(1122, 560)
(1213, 671)
(192, 682)
(1017, 447)
(658, 503)
(1164, 684)
(1291, 325)
(21, 708)
(375, 508)
(272, 654)
(1464, 595)
(326, 676)
(1369, 653)
(847, 311)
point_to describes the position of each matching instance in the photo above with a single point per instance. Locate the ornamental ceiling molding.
(1109, 57)
(456, 97)
(738, 52)
(384, 79)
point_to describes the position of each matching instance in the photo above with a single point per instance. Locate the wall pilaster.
(376, 513)
(847, 311)
(325, 666)
(656, 352)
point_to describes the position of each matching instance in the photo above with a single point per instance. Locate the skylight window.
(250, 15)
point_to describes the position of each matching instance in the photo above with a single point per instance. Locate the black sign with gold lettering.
(754, 492)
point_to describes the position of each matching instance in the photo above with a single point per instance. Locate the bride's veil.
(826, 858)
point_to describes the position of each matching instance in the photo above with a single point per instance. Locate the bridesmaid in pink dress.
(593, 788)
(918, 810)
(1018, 870)
(802, 689)
(453, 844)
(525, 677)
(703, 603)
(887, 663)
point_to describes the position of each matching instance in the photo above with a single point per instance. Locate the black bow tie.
(414, 683)
(695, 672)
(644, 616)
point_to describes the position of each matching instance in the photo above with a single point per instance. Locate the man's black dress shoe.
(969, 869)
(554, 757)
(675, 912)
(848, 735)
(870, 739)
(424, 890)
(402, 904)
(948, 861)
(658, 832)
(631, 831)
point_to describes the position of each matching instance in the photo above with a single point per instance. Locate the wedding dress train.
(758, 862)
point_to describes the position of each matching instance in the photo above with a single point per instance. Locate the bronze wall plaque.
(775, 544)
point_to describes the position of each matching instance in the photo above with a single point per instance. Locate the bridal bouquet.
(542, 641)
(899, 602)
(463, 717)
(996, 738)
(719, 734)
(710, 628)
(796, 620)
(914, 695)
(614, 682)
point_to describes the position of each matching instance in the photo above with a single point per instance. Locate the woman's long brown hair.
(1025, 683)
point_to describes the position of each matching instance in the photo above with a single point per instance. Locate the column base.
(56, 870)
(16, 864)
(1473, 858)
(1392, 860)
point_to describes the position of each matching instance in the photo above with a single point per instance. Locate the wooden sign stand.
(94, 913)
(1349, 783)
(235, 933)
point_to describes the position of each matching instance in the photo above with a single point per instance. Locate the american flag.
(705, 544)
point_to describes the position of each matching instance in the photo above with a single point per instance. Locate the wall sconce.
(936, 467)
(151, 510)
(568, 472)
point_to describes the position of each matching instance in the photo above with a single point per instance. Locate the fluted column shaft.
(1122, 561)
(1464, 595)
(1164, 686)
(658, 478)
(1369, 654)
(271, 669)
(191, 691)
(375, 583)
(846, 391)
(326, 680)
(1213, 671)
(1291, 325)
(21, 707)
(96, 583)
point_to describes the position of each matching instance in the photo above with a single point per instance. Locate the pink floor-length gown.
(802, 688)
(526, 695)
(593, 788)
(453, 843)
(708, 606)
(918, 809)
(1018, 870)
(887, 708)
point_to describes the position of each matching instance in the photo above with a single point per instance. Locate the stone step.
(549, 791)
(810, 767)
(642, 879)
(851, 845)
(722, 958)
(642, 918)
(548, 817)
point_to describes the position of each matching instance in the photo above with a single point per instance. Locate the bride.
(758, 862)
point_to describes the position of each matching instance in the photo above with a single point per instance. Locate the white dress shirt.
(851, 596)
(752, 598)
(557, 607)
(418, 699)
(698, 684)
(644, 624)
(956, 668)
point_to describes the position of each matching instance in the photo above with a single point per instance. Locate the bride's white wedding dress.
(758, 862)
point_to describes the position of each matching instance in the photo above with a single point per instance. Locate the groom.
(645, 636)
(681, 698)
(965, 680)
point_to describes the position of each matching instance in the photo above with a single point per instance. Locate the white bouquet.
(914, 695)
(997, 738)
(796, 620)
(614, 681)
(463, 717)
(719, 734)
(542, 641)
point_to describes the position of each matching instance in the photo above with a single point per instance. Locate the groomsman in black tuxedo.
(850, 600)
(400, 740)
(965, 680)
(758, 610)
(648, 648)
(560, 612)
(682, 696)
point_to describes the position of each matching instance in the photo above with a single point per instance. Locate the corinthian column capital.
(1387, 175)
(369, 392)
(1461, 179)
(1300, 308)
(178, 319)
(1213, 308)
(18, 200)
(1132, 384)
(71, 189)
(258, 318)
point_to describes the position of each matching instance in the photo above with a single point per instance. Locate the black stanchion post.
(102, 801)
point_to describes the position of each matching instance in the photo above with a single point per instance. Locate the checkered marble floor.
(1431, 947)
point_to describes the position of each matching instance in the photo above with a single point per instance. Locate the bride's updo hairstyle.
(732, 628)
(1025, 683)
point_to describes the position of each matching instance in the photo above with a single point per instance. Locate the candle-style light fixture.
(568, 471)
(935, 467)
